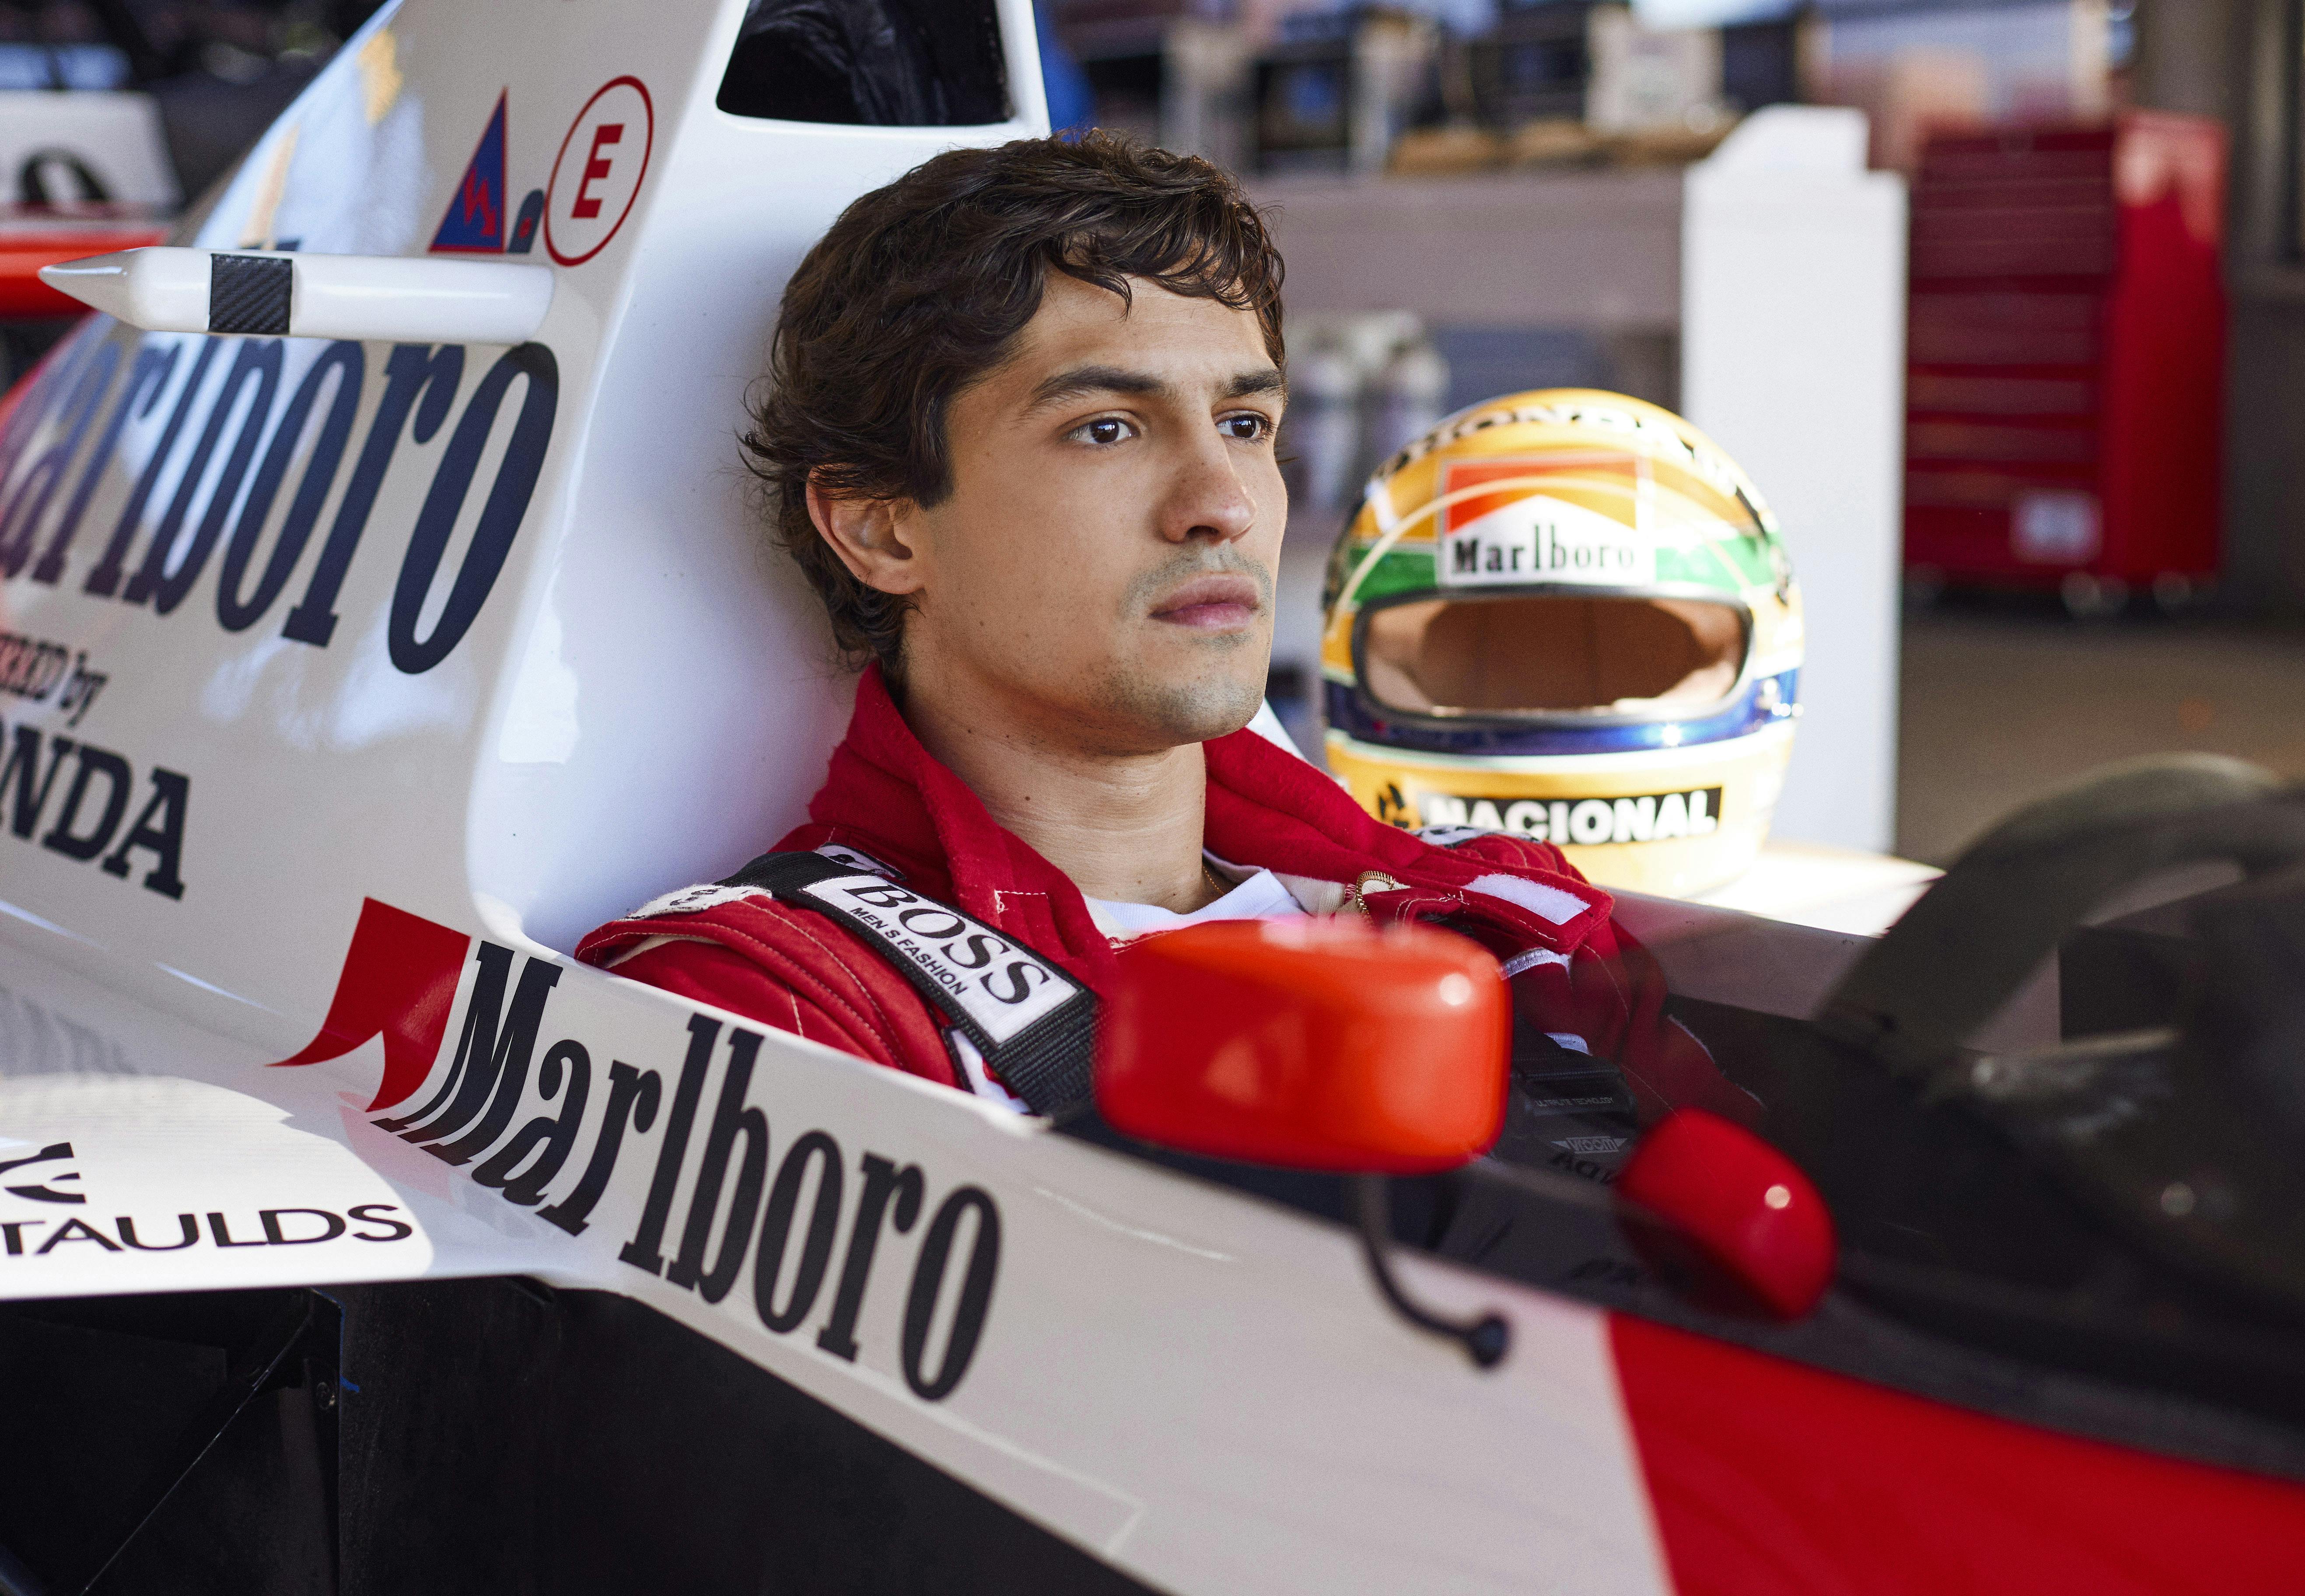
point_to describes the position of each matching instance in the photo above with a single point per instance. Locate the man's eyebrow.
(1266, 380)
(1081, 382)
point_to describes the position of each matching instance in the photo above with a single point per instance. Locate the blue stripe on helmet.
(1766, 701)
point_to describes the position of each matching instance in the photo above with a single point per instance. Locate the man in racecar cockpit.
(1019, 436)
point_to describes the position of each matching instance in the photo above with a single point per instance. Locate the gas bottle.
(1405, 401)
(1323, 426)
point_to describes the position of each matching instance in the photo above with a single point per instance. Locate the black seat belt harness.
(1034, 1024)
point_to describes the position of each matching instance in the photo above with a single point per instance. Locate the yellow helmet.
(1566, 614)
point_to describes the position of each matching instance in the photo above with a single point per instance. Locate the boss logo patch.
(995, 983)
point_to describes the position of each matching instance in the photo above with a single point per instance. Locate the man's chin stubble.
(1156, 715)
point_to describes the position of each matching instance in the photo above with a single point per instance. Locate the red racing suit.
(1575, 976)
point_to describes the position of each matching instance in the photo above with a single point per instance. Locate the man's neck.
(1125, 827)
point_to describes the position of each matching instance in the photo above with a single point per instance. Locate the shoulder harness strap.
(1034, 1025)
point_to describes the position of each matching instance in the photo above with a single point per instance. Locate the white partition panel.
(1793, 357)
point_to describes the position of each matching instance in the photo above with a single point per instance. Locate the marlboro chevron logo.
(533, 1110)
(1512, 536)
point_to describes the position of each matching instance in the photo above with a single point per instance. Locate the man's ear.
(868, 535)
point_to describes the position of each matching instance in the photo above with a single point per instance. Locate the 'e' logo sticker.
(597, 176)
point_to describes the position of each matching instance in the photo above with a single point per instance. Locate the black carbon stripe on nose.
(250, 294)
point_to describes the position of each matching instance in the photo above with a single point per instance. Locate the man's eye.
(1245, 428)
(1104, 430)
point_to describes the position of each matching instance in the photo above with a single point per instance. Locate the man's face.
(1104, 564)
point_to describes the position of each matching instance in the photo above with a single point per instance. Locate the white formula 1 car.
(383, 609)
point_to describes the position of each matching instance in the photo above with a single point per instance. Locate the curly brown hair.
(922, 287)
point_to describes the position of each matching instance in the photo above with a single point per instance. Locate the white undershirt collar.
(1258, 895)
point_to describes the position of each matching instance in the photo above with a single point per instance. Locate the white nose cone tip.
(271, 294)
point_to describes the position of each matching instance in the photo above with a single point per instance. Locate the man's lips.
(1210, 603)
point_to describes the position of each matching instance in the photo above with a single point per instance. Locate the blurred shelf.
(1595, 250)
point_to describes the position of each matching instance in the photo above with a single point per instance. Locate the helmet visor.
(1527, 656)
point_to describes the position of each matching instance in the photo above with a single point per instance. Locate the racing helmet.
(1566, 614)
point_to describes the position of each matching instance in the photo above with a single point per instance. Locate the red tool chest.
(2065, 363)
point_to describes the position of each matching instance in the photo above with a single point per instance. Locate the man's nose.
(1208, 498)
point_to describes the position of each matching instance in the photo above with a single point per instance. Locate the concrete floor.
(2002, 706)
